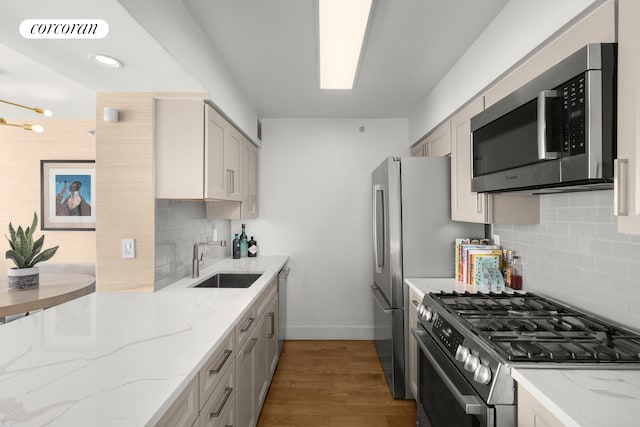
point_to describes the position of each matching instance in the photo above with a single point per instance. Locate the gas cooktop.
(525, 327)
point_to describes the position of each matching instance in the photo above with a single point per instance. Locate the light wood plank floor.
(331, 384)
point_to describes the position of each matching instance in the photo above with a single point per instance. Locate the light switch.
(128, 248)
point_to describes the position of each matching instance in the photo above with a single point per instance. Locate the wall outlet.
(128, 248)
(496, 240)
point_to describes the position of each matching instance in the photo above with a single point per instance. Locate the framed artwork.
(67, 194)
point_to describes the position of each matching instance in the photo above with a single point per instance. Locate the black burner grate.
(528, 327)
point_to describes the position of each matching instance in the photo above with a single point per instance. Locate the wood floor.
(331, 384)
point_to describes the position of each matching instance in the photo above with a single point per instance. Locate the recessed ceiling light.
(342, 26)
(105, 60)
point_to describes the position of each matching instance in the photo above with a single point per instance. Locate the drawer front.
(212, 372)
(220, 409)
(245, 326)
(184, 411)
(265, 297)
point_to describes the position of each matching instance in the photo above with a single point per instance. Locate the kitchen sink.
(229, 280)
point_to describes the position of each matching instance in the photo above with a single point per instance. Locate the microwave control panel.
(574, 97)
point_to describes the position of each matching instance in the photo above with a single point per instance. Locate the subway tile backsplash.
(180, 224)
(576, 255)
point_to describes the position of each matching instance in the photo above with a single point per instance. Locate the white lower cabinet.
(232, 385)
(255, 360)
(183, 412)
(415, 298)
(531, 413)
(219, 410)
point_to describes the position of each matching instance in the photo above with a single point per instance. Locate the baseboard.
(329, 333)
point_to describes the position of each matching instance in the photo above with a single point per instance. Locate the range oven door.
(444, 396)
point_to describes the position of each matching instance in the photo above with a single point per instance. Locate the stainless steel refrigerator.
(413, 236)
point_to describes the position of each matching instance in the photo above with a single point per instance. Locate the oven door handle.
(472, 405)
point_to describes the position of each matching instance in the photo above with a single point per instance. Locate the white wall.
(315, 176)
(517, 30)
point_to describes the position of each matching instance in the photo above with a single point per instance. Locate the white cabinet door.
(178, 139)
(271, 321)
(531, 413)
(627, 180)
(246, 403)
(249, 179)
(466, 205)
(439, 141)
(215, 179)
(415, 298)
(232, 163)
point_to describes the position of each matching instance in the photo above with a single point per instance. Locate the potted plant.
(25, 254)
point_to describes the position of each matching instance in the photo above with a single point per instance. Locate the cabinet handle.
(217, 369)
(414, 302)
(227, 394)
(233, 181)
(479, 202)
(620, 174)
(246, 328)
(228, 181)
(251, 345)
(273, 325)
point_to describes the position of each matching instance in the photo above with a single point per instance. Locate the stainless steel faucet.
(195, 263)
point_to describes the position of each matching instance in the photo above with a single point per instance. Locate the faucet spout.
(195, 262)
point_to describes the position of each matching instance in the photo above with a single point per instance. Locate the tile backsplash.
(576, 255)
(180, 224)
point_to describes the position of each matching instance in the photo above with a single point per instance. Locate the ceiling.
(267, 49)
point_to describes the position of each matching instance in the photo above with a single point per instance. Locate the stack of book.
(472, 257)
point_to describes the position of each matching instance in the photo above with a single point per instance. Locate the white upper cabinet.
(250, 156)
(198, 154)
(627, 180)
(436, 144)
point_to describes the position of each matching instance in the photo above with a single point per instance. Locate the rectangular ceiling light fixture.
(342, 26)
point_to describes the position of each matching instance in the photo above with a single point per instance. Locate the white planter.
(20, 279)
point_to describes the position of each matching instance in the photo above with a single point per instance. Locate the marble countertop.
(585, 398)
(118, 359)
(577, 397)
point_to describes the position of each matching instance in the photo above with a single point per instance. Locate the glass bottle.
(253, 248)
(516, 273)
(243, 243)
(236, 247)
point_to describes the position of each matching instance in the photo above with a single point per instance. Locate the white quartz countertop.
(426, 284)
(118, 359)
(585, 398)
(577, 397)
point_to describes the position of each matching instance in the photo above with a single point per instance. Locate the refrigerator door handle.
(380, 299)
(378, 227)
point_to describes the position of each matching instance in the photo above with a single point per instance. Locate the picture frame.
(68, 195)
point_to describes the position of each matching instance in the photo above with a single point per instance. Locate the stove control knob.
(471, 363)
(420, 310)
(462, 353)
(427, 314)
(482, 374)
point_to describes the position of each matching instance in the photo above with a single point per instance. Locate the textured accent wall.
(576, 255)
(20, 155)
(180, 224)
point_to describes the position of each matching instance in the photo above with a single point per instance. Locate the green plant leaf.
(24, 251)
(16, 258)
(12, 232)
(44, 256)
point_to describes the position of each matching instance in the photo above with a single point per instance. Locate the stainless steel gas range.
(469, 342)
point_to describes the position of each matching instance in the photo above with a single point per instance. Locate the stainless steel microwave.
(554, 134)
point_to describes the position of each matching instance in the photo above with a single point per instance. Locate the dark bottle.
(253, 248)
(243, 242)
(236, 247)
